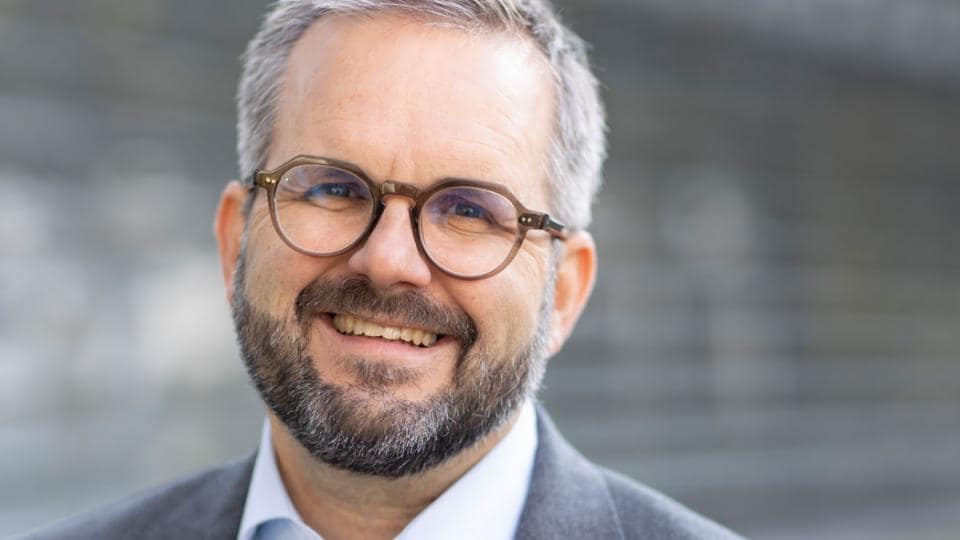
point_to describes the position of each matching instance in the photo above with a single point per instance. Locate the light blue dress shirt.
(485, 503)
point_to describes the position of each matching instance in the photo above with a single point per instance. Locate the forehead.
(410, 101)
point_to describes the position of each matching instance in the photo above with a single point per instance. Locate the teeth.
(368, 329)
(391, 333)
(348, 324)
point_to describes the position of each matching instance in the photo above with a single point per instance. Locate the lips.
(351, 325)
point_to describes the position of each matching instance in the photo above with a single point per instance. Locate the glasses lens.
(322, 209)
(468, 231)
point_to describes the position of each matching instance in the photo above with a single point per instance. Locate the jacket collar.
(568, 497)
(212, 508)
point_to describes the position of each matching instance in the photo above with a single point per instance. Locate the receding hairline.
(504, 18)
(487, 27)
(494, 27)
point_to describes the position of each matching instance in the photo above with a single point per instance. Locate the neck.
(340, 504)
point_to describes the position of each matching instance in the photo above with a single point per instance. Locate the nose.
(389, 255)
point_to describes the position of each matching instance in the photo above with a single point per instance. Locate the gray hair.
(579, 141)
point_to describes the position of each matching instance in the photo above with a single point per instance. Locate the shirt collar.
(267, 498)
(486, 502)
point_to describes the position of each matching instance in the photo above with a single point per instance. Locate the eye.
(338, 190)
(467, 210)
(456, 208)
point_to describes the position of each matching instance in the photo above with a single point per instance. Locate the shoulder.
(200, 505)
(574, 498)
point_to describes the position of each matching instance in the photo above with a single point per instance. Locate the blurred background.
(775, 335)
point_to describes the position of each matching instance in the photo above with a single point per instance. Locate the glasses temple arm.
(555, 228)
(546, 223)
(251, 181)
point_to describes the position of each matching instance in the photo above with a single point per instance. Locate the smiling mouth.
(350, 325)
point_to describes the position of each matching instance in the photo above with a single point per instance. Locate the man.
(408, 251)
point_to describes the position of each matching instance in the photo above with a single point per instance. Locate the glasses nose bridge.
(390, 187)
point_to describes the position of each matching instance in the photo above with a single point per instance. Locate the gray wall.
(773, 339)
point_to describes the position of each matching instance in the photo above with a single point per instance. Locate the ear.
(576, 272)
(228, 227)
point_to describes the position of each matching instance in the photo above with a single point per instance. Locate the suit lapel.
(213, 509)
(227, 511)
(568, 497)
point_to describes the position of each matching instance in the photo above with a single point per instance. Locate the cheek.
(521, 311)
(275, 273)
(510, 311)
(525, 294)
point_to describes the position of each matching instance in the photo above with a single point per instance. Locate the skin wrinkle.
(408, 308)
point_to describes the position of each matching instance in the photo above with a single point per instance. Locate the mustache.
(357, 296)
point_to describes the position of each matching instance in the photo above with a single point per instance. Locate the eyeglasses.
(468, 229)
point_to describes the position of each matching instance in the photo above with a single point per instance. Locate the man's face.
(413, 103)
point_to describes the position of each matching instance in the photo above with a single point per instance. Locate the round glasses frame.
(527, 219)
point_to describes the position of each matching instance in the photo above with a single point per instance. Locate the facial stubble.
(364, 427)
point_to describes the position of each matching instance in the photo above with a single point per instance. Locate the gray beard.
(393, 437)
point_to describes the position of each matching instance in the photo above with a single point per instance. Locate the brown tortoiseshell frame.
(526, 219)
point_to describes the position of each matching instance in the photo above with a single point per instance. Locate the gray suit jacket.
(569, 497)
